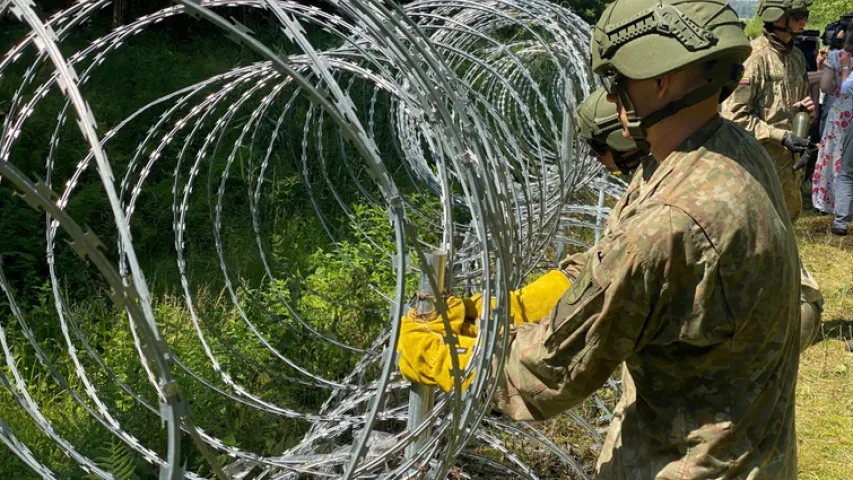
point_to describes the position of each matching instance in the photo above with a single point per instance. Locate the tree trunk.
(121, 10)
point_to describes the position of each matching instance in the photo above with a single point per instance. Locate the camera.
(807, 42)
(810, 35)
(836, 32)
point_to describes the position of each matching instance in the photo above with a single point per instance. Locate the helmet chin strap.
(772, 28)
(777, 42)
(627, 163)
(636, 126)
(786, 28)
(720, 79)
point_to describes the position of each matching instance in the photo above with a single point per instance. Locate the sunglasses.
(611, 82)
(799, 16)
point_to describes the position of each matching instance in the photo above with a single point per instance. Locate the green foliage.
(342, 288)
(589, 10)
(824, 12)
(117, 458)
(343, 294)
(755, 28)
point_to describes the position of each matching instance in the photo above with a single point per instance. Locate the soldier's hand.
(424, 350)
(796, 144)
(805, 158)
(424, 345)
(531, 303)
(808, 104)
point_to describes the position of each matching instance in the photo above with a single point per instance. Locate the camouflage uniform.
(694, 286)
(763, 104)
(775, 80)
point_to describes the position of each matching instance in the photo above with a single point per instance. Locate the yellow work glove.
(532, 303)
(424, 355)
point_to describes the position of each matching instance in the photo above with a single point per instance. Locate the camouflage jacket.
(763, 102)
(695, 287)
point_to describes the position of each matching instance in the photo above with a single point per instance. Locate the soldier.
(693, 285)
(600, 128)
(774, 87)
(602, 131)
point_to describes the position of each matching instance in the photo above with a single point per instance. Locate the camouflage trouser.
(811, 306)
(794, 195)
(783, 160)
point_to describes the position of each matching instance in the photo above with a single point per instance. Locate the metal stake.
(422, 397)
(599, 216)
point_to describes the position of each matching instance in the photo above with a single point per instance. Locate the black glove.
(805, 158)
(796, 144)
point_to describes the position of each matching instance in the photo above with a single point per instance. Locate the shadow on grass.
(836, 329)
(813, 228)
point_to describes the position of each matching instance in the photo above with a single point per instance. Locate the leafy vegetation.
(821, 13)
(824, 12)
(339, 292)
(589, 10)
(334, 294)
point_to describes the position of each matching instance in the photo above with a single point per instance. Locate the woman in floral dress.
(839, 118)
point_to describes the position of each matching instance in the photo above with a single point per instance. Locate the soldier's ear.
(663, 85)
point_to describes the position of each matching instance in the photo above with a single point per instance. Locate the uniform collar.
(777, 44)
(699, 137)
(650, 181)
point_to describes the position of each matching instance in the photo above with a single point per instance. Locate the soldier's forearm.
(761, 130)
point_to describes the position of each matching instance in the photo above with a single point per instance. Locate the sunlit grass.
(825, 389)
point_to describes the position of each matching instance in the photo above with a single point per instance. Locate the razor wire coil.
(478, 99)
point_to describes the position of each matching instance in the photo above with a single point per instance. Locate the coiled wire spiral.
(453, 118)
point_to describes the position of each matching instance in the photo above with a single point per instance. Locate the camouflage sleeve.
(744, 108)
(573, 265)
(595, 326)
(805, 89)
(629, 295)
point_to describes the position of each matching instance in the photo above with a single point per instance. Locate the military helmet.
(599, 122)
(599, 125)
(642, 39)
(771, 10)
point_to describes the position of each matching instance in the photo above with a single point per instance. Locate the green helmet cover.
(643, 39)
(599, 122)
(771, 10)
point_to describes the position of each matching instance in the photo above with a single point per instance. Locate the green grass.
(825, 390)
(163, 64)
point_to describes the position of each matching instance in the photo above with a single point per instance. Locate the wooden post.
(121, 10)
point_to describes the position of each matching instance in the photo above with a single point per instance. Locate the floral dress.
(838, 119)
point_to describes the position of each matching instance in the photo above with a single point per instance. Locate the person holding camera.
(773, 89)
(839, 118)
(808, 43)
